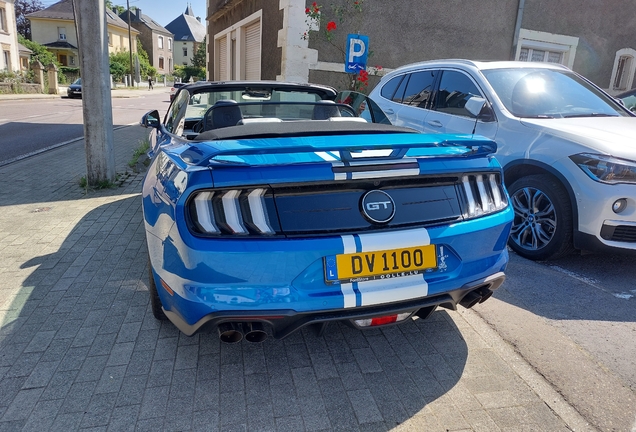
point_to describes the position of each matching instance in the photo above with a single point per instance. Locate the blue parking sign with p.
(356, 54)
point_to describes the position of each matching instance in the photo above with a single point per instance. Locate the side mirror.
(479, 108)
(151, 120)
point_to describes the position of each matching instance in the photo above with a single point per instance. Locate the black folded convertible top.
(299, 129)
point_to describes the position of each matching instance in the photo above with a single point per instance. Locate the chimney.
(138, 13)
(115, 10)
(199, 19)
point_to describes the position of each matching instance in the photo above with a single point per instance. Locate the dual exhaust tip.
(479, 295)
(235, 332)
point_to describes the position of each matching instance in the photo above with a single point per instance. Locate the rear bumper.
(284, 322)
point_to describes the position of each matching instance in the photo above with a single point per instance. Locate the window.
(71, 60)
(389, 88)
(3, 20)
(623, 70)
(160, 42)
(185, 51)
(545, 47)
(160, 62)
(237, 50)
(419, 89)
(169, 44)
(110, 39)
(61, 31)
(455, 88)
(7, 60)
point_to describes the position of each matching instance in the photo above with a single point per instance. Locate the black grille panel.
(619, 233)
(336, 208)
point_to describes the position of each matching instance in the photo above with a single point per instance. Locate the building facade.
(189, 33)
(155, 39)
(54, 27)
(10, 58)
(562, 31)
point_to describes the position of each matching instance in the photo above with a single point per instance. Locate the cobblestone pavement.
(80, 349)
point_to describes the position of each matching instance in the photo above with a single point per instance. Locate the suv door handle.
(389, 111)
(435, 123)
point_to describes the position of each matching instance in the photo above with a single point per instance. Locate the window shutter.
(222, 58)
(253, 51)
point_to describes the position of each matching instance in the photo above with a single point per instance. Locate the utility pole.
(130, 44)
(90, 19)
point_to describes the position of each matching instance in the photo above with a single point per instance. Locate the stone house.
(155, 39)
(10, 58)
(54, 27)
(264, 39)
(189, 34)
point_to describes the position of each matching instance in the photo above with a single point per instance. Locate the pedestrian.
(149, 83)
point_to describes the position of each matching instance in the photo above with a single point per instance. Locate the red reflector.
(383, 320)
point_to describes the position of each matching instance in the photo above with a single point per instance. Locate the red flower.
(314, 4)
(307, 10)
(331, 25)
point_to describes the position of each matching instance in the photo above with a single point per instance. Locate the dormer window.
(61, 31)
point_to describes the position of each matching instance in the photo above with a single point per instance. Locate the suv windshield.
(545, 93)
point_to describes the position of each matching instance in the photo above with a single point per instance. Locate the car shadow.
(559, 290)
(79, 327)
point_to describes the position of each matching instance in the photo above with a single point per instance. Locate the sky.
(162, 11)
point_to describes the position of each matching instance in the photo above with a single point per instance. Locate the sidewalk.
(80, 349)
(119, 92)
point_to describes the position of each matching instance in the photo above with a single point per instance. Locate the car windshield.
(78, 81)
(200, 102)
(546, 93)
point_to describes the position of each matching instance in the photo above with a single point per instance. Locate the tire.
(542, 225)
(155, 301)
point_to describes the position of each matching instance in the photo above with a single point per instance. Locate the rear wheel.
(155, 301)
(542, 226)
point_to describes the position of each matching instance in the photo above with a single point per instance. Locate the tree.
(198, 60)
(22, 9)
(40, 52)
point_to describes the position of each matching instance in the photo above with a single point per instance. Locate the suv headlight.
(606, 169)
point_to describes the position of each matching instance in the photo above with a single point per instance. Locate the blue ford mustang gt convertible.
(269, 207)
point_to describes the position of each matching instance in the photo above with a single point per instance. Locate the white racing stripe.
(386, 290)
(384, 174)
(391, 290)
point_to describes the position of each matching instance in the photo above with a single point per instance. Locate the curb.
(527, 373)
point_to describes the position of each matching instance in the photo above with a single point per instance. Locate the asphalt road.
(574, 321)
(28, 126)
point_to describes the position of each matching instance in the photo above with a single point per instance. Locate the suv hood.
(615, 136)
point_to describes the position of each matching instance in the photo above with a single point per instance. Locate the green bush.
(185, 72)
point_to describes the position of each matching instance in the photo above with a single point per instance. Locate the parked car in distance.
(269, 207)
(173, 90)
(75, 89)
(628, 98)
(567, 148)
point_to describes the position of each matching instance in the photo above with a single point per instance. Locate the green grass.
(144, 146)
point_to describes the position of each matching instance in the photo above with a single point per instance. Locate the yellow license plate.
(374, 265)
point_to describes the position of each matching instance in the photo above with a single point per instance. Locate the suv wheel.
(155, 301)
(542, 226)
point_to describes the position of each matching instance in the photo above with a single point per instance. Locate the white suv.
(568, 149)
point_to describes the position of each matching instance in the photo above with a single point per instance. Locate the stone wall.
(6, 88)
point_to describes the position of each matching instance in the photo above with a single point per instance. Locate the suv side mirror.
(479, 108)
(151, 119)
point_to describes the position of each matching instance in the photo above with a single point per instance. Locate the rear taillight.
(484, 194)
(230, 212)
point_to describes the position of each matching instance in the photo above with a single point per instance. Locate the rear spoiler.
(438, 146)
